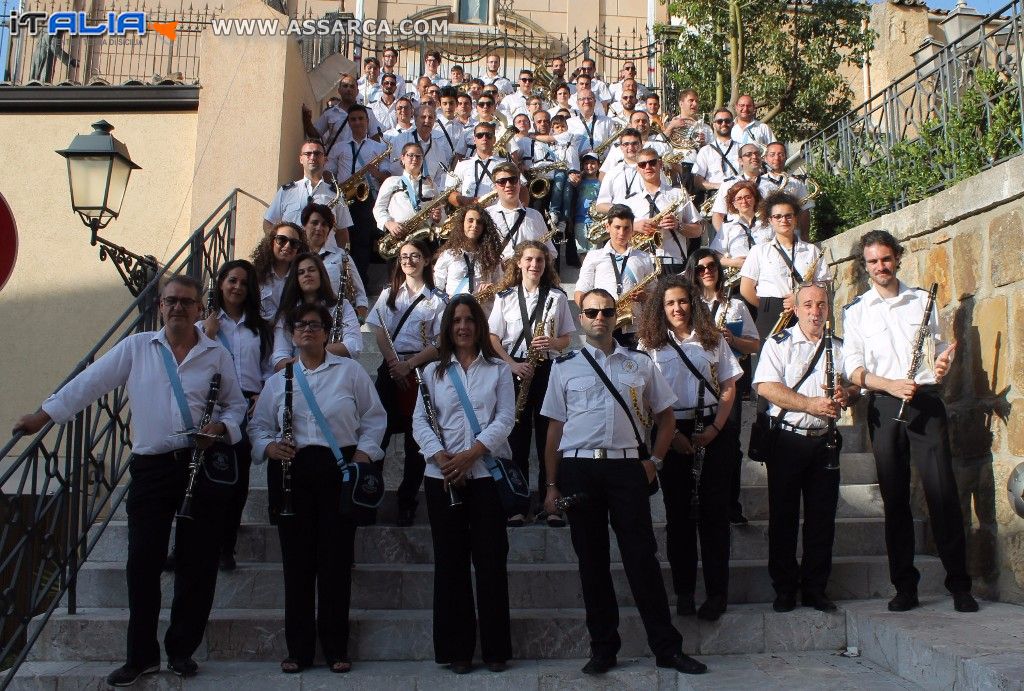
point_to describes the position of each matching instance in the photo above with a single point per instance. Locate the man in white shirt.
(493, 63)
(775, 157)
(404, 113)
(515, 223)
(476, 173)
(389, 65)
(690, 119)
(369, 83)
(747, 127)
(167, 376)
(589, 68)
(332, 127)
(719, 158)
(622, 109)
(515, 102)
(292, 198)
(628, 74)
(437, 154)
(383, 108)
(448, 123)
(595, 128)
(621, 181)
(882, 329)
(432, 63)
(583, 82)
(750, 170)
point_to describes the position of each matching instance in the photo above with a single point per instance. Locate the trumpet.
(540, 186)
(624, 306)
(356, 188)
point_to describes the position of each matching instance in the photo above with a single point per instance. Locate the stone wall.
(968, 239)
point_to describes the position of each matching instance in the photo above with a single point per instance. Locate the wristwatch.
(658, 463)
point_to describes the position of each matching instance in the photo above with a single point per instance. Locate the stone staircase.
(751, 645)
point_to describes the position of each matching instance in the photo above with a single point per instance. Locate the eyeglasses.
(501, 182)
(782, 217)
(649, 163)
(410, 258)
(702, 268)
(308, 326)
(723, 121)
(592, 312)
(284, 240)
(311, 154)
(172, 302)
(751, 154)
(629, 145)
(484, 104)
(413, 156)
(483, 135)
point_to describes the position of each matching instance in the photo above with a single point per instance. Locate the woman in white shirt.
(273, 258)
(471, 258)
(743, 230)
(317, 542)
(678, 334)
(402, 195)
(474, 531)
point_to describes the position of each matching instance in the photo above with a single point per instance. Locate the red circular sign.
(8, 242)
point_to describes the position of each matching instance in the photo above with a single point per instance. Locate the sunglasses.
(501, 182)
(526, 79)
(592, 312)
(702, 268)
(284, 240)
(648, 164)
(484, 104)
(483, 135)
(723, 121)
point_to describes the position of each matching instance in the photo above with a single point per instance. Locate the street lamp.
(99, 167)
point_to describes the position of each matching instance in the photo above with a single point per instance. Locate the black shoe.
(903, 602)
(685, 607)
(712, 608)
(169, 562)
(736, 517)
(682, 663)
(516, 521)
(599, 665)
(819, 602)
(555, 520)
(227, 562)
(784, 602)
(497, 667)
(183, 666)
(963, 601)
(406, 517)
(126, 675)
(461, 667)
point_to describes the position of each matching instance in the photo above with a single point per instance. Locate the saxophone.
(356, 188)
(449, 223)
(655, 237)
(602, 148)
(533, 357)
(597, 230)
(338, 316)
(501, 145)
(624, 307)
(416, 226)
(786, 318)
(540, 186)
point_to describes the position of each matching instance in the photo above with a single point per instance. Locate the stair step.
(410, 586)
(250, 635)
(259, 542)
(781, 671)
(939, 648)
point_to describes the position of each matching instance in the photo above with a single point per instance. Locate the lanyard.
(412, 190)
(590, 130)
(791, 263)
(483, 166)
(179, 393)
(725, 157)
(625, 272)
(514, 228)
(629, 183)
(355, 154)
(426, 150)
(318, 415)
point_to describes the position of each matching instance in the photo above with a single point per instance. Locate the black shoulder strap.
(615, 394)
(807, 373)
(693, 369)
(337, 134)
(789, 262)
(528, 321)
(405, 317)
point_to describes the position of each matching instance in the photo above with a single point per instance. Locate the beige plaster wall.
(967, 239)
(61, 298)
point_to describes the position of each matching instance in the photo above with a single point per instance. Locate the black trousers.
(240, 494)
(363, 237)
(398, 423)
(156, 492)
(617, 489)
(712, 523)
(797, 471)
(923, 441)
(472, 534)
(532, 424)
(317, 552)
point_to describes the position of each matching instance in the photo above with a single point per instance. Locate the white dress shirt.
(292, 198)
(503, 84)
(270, 295)
(422, 327)
(619, 185)
(137, 363)
(506, 320)
(384, 112)
(452, 270)
(348, 157)
(794, 186)
(345, 394)
(684, 384)
(533, 227)
(709, 164)
(594, 130)
(437, 154)
(244, 347)
(575, 107)
(880, 334)
(598, 272)
(456, 133)
(476, 175)
(592, 417)
(351, 337)
(755, 133)
(733, 239)
(784, 359)
(774, 279)
(492, 395)
(394, 203)
(369, 92)
(615, 89)
(334, 261)
(333, 127)
(674, 243)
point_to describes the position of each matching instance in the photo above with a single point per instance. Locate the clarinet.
(918, 354)
(211, 293)
(339, 308)
(831, 439)
(428, 406)
(698, 454)
(198, 455)
(287, 435)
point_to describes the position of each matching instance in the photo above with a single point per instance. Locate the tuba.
(624, 306)
(356, 188)
(539, 186)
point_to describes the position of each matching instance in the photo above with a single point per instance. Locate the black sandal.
(342, 666)
(290, 665)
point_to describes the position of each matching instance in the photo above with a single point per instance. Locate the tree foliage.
(785, 53)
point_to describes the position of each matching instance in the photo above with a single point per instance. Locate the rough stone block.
(1006, 253)
(937, 270)
(1015, 428)
(991, 361)
(967, 250)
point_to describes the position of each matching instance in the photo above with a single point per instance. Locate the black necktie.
(653, 209)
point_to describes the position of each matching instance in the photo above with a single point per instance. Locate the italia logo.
(80, 24)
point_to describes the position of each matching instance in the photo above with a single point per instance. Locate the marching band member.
(401, 196)
(474, 406)
(616, 267)
(562, 95)
(486, 112)
(293, 197)
(583, 82)
(621, 111)
(161, 454)
(519, 311)
(772, 269)
(690, 119)
(448, 123)
(236, 323)
(596, 457)
(680, 230)
(477, 171)
(492, 78)
(383, 108)
(641, 122)
(470, 261)
(389, 65)
(595, 128)
(273, 258)
(775, 158)
(880, 328)
(740, 333)
(412, 310)
(621, 179)
(750, 166)
(515, 103)
(744, 229)
(309, 284)
(515, 223)
(432, 65)
(317, 221)
(719, 158)
(679, 335)
(333, 126)
(433, 141)
(628, 74)
(403, 119)
(369, 83)
(747, 128)
(344, 422)
(791, 376)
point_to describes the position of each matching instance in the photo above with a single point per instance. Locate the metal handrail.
(60, 491)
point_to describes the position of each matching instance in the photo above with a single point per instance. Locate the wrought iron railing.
(929, 118)
(68, 478)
